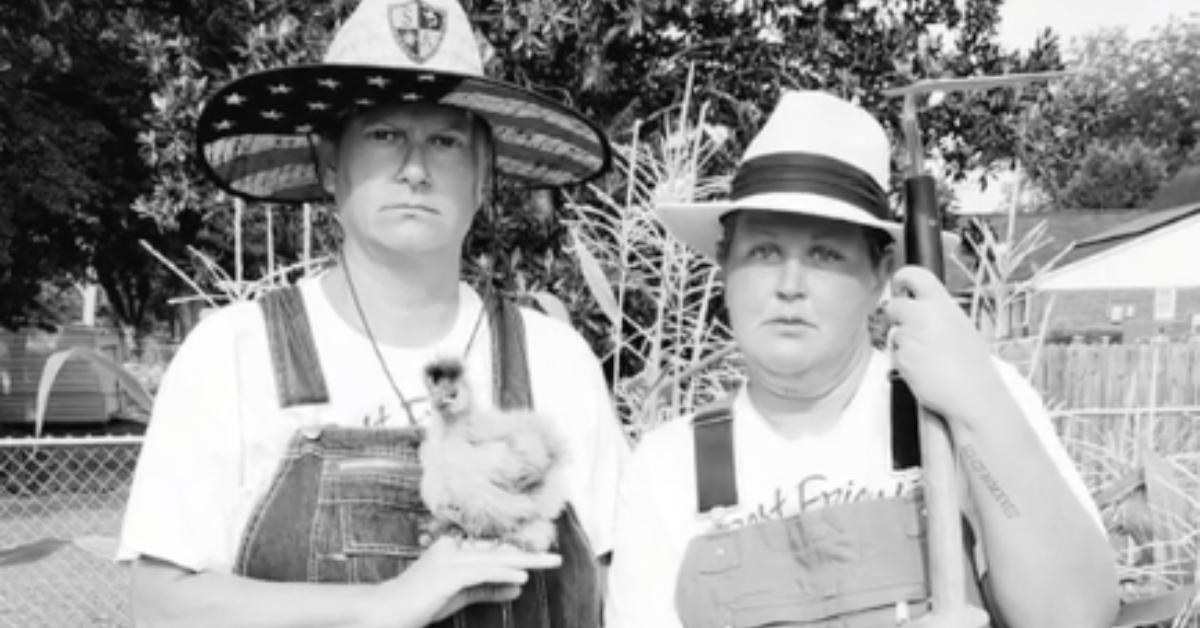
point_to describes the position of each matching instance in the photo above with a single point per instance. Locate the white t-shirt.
(848, 461)
(217, 433)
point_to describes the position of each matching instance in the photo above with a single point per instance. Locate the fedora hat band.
(812, 174)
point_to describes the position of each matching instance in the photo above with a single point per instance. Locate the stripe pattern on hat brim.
(255, 136)
(698, 224)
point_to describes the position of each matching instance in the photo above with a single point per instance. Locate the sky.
(1021, 20)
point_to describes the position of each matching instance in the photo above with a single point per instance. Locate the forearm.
(165, 596)
(1035, 532)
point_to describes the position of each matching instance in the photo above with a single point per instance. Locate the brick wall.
(1083, 310)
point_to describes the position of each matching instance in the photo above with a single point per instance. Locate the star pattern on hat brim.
(255, 136)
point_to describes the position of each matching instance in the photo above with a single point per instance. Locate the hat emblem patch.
(418, 27)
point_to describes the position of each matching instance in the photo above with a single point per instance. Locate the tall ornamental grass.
(670, 351)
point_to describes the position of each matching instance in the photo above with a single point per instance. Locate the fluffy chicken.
(487, 473)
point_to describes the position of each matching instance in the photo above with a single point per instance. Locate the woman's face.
(799, 290)
(408, 178)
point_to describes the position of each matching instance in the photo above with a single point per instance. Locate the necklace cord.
(362, 317)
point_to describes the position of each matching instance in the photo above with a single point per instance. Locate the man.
(783, 506)
(281, 455)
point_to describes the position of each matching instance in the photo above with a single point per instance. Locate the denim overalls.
(344, 505)
(835, 567)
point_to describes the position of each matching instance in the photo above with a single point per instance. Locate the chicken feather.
(488, 473)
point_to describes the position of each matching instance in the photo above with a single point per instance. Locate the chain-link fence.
(70, 489)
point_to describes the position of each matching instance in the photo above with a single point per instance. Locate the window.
(1120, 312)
(1164, 304)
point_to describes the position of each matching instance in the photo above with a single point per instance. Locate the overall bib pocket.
(370, 519)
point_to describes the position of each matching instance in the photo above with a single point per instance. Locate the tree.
(619, 61)
(185, 58)
(1115, 176)
(1183, 189)
(71, 107)
(1129, 112)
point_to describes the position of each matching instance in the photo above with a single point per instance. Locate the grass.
(71, 586)
(1144, 473)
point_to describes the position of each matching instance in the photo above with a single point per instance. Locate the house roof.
(1139, 225)
(1083, 232)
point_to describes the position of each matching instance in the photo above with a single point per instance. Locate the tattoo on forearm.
(975, 464)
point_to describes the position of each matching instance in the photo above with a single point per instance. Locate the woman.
(783, 505)
(278, 482)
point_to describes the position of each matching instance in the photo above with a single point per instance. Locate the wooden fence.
(1111, 376)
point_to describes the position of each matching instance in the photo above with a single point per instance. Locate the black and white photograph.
(599, 314)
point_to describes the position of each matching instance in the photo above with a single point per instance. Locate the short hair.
(484, 143)
(877, 240)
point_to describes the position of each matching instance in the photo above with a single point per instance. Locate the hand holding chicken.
(489, 474)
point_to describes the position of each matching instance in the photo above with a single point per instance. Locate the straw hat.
(817, 155)
(255, 136)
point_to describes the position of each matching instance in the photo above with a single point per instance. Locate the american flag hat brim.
(256, 136)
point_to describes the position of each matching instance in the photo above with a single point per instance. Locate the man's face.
(799, 290)
(407, 178)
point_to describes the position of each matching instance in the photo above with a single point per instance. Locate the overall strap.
(510, 364)
(712, 436)
(298, 376)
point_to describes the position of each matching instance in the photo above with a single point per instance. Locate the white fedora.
(255, 136)
(817, 155)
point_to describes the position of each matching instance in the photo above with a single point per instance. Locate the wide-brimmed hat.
(816, 155)
(256, 135)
